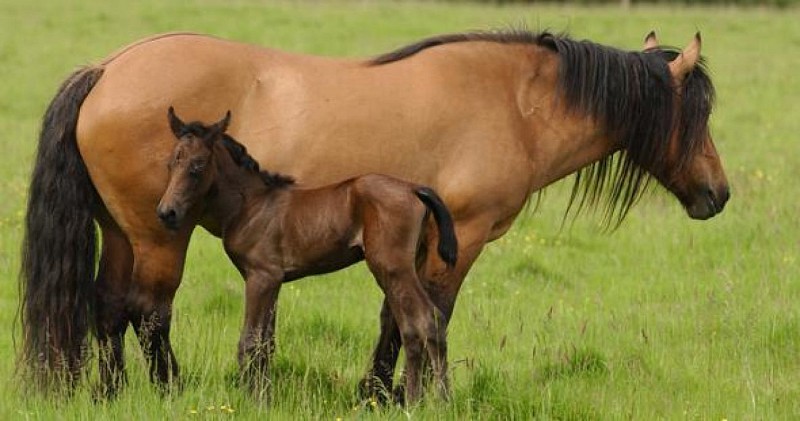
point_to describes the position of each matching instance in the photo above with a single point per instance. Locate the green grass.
(664, 318)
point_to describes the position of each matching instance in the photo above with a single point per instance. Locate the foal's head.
(191, 168)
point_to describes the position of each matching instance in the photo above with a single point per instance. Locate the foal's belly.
(328, 263)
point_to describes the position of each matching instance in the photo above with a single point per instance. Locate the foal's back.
(331, 227)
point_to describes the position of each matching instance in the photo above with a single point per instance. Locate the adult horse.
(484, 118)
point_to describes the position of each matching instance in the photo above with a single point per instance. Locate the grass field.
(664, 318)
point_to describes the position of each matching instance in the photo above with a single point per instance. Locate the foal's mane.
(238, 153)
(630, 93)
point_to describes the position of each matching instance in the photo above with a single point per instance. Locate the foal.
(274, 233)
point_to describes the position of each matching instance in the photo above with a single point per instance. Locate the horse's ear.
(175, 123)
(650, 41)
(687, 59)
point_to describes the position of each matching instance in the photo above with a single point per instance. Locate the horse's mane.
(628, 92)
(238, 153)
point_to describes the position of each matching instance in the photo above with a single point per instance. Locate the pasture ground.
(664, 318)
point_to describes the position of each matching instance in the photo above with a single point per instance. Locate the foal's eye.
(197, 168)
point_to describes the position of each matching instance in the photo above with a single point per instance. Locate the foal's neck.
(237, 189)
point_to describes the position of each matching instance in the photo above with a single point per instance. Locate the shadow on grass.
(490, 395)
(577, 362)
(783, 341)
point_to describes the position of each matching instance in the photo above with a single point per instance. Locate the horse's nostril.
(725, 195)
(719, 197)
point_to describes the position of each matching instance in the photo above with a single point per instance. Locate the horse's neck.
(557, 155)
(558, 141)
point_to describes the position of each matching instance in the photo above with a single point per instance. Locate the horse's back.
(318, 119)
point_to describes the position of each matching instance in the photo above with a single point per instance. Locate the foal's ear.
(175, 123)
(221, 126)
(687, 59)
(216, 130)
(650, 41)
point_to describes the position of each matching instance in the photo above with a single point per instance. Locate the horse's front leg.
(157, 273)
(257, 341)
(111, 291)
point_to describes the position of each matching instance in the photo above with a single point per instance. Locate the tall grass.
(664, 318)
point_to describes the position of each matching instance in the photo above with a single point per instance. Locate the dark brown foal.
(274, 233)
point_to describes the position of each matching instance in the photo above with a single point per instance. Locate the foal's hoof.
(372, 393)
(259, 390)
(399, 395)
(170, 389)
(102, 393)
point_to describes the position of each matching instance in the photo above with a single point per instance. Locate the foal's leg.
(391, 237)
(157, 273)
(417, 321)
(442, 287)
(257, 341)
(377, 384)
(111, 290)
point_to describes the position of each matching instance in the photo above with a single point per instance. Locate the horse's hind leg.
(157, 272)
(111, 290)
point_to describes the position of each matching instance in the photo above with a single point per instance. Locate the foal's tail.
(58, 251)
(448, 245)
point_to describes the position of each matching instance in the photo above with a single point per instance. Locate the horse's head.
(191, 167)
(691, 169)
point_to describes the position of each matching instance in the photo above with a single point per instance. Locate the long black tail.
(58, 251)
(448, 245)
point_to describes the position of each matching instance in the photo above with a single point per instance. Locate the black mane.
(238, 153)
(629, 93)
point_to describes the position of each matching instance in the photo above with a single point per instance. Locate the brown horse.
(275, 233)
(486, 119)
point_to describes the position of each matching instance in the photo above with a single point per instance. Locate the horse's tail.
(448, 245)
(58, 251)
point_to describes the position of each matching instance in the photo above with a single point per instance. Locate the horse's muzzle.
(709, 203)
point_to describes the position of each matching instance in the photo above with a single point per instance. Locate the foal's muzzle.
(169, 217)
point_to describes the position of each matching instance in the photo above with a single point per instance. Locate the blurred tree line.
(628, 3)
